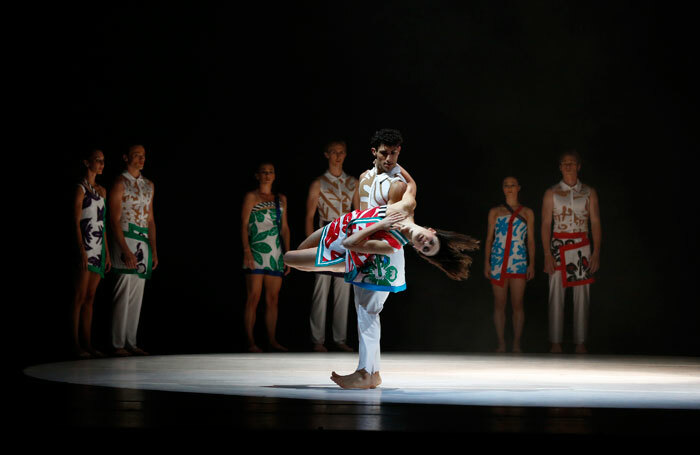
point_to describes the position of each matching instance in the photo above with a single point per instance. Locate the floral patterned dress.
(509, 251)
(265, 240)
(92, 227)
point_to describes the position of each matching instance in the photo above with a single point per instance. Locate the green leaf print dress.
(264, 240)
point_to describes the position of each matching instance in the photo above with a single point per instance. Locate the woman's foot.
(80, 353)
(95, 353)
(556, 348)
(581, 349)
(501, 348)
(278, 347)
(254, 348)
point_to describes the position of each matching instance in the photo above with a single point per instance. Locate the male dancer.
(569, 261)
(134, 248)
(331, 195)
(381, 185)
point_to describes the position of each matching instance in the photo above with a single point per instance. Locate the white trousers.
(341, 298)
(556, 310)
(368, 305)
(128, 295)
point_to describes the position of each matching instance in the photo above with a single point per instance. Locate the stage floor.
(426, 379)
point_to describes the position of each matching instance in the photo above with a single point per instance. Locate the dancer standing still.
(263, 232)
(567, 252)
(134, 250)
(89, 210)
(511, 262)
(331, 196)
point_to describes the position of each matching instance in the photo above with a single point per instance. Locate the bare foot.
(344, 347)
(135, 350)
(376, 380)
(319, 348)
(516, 349)
(121, 352)
(556, 348)
(357, 380)
(501, 348)
(95, 353)
(278, 347)
(79, 353)
(254, 348)
(581, 349)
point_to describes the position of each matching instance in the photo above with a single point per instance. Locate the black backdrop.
(480, 90)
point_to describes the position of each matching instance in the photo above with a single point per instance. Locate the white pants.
(368, 305)
(128, 295)
(341, 298)
(556, 310)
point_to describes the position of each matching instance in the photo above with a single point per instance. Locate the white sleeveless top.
(136, 201)
(335, 198)
(571, 207)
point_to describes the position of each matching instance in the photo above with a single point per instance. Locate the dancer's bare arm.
(530, 217)
(412, 187)
(596, 231)
(546, 230)
(152, 229)
(248, 204)
(360, 242)
(311, 206)
(115, 212)
(489, 242)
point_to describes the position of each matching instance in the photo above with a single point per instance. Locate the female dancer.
(507, 266)
(263, 230)
(89, 211)
(382, 230)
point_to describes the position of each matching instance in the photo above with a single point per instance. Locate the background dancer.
(134, 249)
(569, 261)
(331, 196)
(264, 231)
(94, 260)
(511, 262)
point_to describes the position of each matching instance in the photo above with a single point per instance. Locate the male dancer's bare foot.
(556, 348)
(376, 380)
(357, 380)
(121, 352)
(581, 349)
(254, 348)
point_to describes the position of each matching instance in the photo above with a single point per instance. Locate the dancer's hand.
(248, 260)
(83, 260)
(287, 269)
(108, 263)
(594, 265)
(549, 263)
(530, 272)
(389, 221)
(487, 270)
(154, 262)
(130, 260)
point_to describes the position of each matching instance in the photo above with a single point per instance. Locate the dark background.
(480, 90)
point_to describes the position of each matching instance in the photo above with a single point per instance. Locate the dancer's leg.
(582, 299)
(253, 284)
(556, 311)
(499, 314)
(272, 286)
(517, 296)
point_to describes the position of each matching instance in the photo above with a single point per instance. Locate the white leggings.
(368, 305)
(556, 310)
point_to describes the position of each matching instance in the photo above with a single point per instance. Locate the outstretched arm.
(360, 242)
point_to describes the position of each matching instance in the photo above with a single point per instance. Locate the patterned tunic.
(570, 245)
(136, 203)
(383, 272)
(509, 250)
(92, 228)
(265, 240)
(335, 198)
(330, 247)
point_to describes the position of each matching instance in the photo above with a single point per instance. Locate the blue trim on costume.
(263, 272)
(377, 287)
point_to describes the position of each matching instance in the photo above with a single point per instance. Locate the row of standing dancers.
(360, 248)
(364, 249)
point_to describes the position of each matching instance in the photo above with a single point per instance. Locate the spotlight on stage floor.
(481, 380)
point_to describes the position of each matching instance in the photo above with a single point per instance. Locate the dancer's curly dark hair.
(451, 258)
(388, 137)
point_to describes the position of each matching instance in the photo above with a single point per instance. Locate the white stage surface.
(481, 380)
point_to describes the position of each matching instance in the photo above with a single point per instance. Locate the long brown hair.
(451, 258)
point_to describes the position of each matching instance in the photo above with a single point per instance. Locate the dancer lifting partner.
(374, 261)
